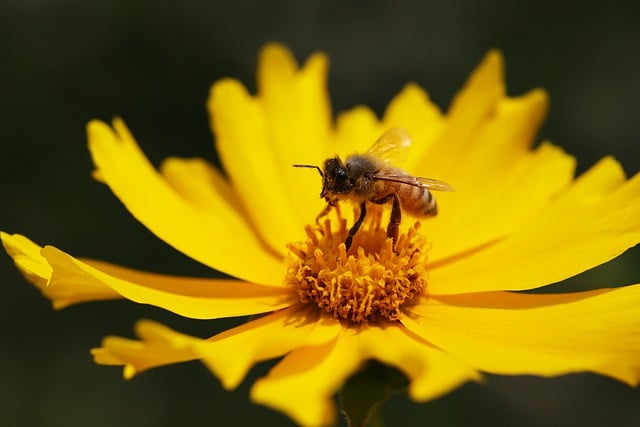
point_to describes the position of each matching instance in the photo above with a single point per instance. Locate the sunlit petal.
(296, 103)
(412, 110)
(302, 384)
(158, 346)
(431, 372)
(244, 144)
(593, 221)
(516, 334)
(200, 184)
(471, 218)
(153, 202)
(470, 109)
(232, 353)
(37, 270)
(356, 130)
(196, 298)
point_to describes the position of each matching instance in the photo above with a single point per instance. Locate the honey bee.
(372, 178)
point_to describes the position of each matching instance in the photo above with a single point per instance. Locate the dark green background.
(65, 62)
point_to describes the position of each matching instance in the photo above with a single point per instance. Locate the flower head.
(439, 302)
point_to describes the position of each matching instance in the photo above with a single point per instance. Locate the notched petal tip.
(317, 64)
(158, 346)
(225, 91)
(275, 56)
(494, 56)
(27, 258)
(488, 78)
(100, 131)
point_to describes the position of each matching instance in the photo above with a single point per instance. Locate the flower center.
(370, 282)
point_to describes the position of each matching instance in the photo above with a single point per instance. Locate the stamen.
(372, 281)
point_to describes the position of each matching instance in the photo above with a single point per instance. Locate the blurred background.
(66, 62)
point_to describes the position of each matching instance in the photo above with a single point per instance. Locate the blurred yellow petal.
(27, 258)
(172, 218)
(244, 144)
(303, 383)
(412, 110)
(517, 334)
(158, 346)
(232, 353)
(200, 184)
(471, 218)
(593, 221)
(296, 104)
(356, 130)
(431, 372)
(37, 270)
(469, 110)
(488, 177)
(501, 139)
(190, 297)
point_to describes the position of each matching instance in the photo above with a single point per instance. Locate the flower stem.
(361, 396)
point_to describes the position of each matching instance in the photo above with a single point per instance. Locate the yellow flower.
(439, 305)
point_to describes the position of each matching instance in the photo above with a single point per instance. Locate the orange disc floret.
(370, 282)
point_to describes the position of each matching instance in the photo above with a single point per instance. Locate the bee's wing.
(391, 147)
(416, 181)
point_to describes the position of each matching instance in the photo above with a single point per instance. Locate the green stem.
(364, 392)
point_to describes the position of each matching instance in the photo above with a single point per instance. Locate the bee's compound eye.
(331, 166)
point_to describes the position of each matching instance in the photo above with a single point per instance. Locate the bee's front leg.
(324, 212)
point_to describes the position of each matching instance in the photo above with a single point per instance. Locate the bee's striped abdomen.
(417, 201)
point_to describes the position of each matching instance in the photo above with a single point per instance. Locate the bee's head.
(335, 179)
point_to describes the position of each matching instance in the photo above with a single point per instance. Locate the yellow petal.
(171, 217)
(412, 110)
(470, 109)
(232, 353)
(296, 104)
(492, 176)
(246, 150)
(501, 140)
(37, 270)
(593, 221)
(200, 184)
(431, 372)
(158, 346)
(473, 217)
(356, 130)
(27, 258)
(303, 383)
(516, 334)
(78, 281)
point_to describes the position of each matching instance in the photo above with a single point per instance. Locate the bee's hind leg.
(394, 219)
(356, 226)
(396, 215)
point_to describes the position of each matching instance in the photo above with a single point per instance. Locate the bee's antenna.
(311, 167)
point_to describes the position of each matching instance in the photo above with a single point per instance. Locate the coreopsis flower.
(441, 304)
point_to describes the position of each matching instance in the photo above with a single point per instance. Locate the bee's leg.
(356, 226)
(324, 212)
(396, 215)
(394, 219)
